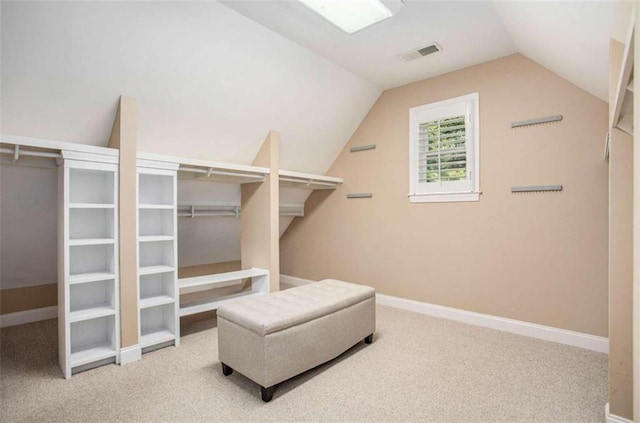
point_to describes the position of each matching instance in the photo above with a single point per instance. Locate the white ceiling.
(571, 38)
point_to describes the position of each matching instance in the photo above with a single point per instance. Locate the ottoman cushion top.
(271, 313)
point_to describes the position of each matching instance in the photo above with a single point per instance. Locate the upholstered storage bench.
(274, 337)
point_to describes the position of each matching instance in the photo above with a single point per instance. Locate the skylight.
(352, 15)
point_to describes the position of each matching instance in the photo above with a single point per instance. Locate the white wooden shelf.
(91, 206)
(622, 117)
(90, 241)
(152, 270)
(214, 304)
(91, 353)
(291, 179)
(156, 301)
(156, 206)
(211, 171)
(90, 277)
(91, 313)
(155, 238)
(156, 337)
(221, 278)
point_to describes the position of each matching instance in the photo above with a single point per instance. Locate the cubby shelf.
(156, 337)
(90, 277)
(91, 313)
(90, 206)
(152, 270)
(91, 353)
(156, 206)
(90, 241)
(154, 238)
(155, 301)
(221, 278)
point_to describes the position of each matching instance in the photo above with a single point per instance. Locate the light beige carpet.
(418, 369)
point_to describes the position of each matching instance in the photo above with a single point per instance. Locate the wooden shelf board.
(221, 278)
(90, 277)
(91, 206)
(90, 241)
(156, 206)
(155, 238)
(91, 353)
(91, 313)
(152, 270)
(155, 301)
(214, 304)
(156, 337)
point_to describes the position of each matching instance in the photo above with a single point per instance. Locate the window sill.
(444, 198)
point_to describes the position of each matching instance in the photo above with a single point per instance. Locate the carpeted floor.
(418, 369)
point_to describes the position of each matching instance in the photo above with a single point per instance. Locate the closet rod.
(307, 181)
(221, 173)
(17, 153)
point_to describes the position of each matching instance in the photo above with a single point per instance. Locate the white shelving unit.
(158, 302)
(88, 286)
(259, 286)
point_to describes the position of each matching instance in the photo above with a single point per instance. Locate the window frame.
(427, 192)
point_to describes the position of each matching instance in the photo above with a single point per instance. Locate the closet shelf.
(91, 313)
(221, 278)
(90, 241)
(91, 353)
(155, 238)
(211, 171)
(156, 301)
(152, 270)
(213, 305)
(91, 206)
(290, 179)
(220, 209)
(156, 206)
(90, 277)
(622, 117)
(156, 337)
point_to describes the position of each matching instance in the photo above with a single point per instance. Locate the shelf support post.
(260, 215)
(124, 135)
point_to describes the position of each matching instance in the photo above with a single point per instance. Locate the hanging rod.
(211, 171)
(17, 152)
(536, 121)
(307, 182)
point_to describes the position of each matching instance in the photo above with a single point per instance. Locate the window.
(444, 151)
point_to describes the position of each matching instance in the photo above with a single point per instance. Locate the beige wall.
(28, 298)
(539, 257)
(620, 256)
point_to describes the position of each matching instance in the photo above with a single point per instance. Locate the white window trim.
(445, 197)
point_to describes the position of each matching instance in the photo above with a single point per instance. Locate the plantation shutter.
(442, 151)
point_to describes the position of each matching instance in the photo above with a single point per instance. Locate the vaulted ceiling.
(571, 38)
(212, 79)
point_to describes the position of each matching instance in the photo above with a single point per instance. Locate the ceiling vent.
(421, 52)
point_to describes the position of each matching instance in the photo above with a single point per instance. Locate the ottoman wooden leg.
(368, 339)
(267, 393)
(226, 370)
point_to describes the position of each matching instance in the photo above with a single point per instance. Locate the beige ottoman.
(274, 337)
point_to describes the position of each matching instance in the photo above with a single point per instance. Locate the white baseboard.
(28, 316)
(130, 354)
(548, 333)
(533, 330)
(612, 418)
(294, 281)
